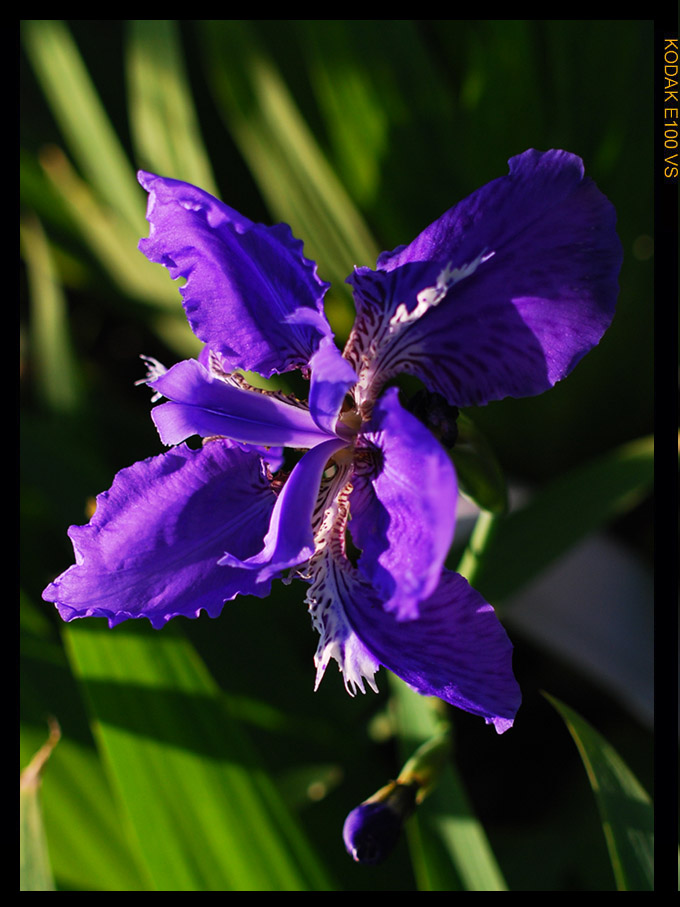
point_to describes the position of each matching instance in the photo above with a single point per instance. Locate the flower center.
(350, 420)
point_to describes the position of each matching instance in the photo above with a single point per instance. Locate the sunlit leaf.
(35, 862)
(55, 369)
(88, 843)
(288, 165)
(82, 118)
(205, 814)
(111, 239)
(625, 808)
(561, 514)
(163, 118)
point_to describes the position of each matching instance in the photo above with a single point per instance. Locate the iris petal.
(244, 280)
(403, 510)
(290, 538)
(456, 649)
(331, 378)
(511, 287)
(152, 546)
(204, 405)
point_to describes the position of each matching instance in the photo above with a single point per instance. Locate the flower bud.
(372, 830)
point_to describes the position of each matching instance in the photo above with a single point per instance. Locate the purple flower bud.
(372, 830)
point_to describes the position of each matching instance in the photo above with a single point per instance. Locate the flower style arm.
(290, 538)
(403, 508)
(202, 404)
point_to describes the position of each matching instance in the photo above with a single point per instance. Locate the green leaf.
(625, 808)
(88, 843)
(107, 207)
(449, 848)
(163, 117)
(479, 474)
(56, 372)
(561, 514)
(280, 149)
(109, 237)
(205, 815)
(35, 873)
(81, 117)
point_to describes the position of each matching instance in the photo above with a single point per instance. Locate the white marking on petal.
(333, 579)
(432, 296)
(332, 583)
(380, 344)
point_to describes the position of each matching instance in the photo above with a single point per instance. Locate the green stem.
(473, 555)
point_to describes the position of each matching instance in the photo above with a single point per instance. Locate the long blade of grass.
(87, 839)
(111, 239)
(81, 117)
(35, 873)
(163, 119)
(289, 167)
(205, 815)
(625, 808)
(56, 372)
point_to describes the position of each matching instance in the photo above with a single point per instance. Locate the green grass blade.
(114, 243)
(88, 839)
(81, 117)
(287, 163)
(561, 514)
(625, 808)
(109, 237)
(163, 119)
(205, 815)
(88, 843)
(56, 372)
(35, 871)
(449, 847)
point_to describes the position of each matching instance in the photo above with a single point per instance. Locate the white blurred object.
(594, 608)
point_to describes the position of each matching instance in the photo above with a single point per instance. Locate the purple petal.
(504, 294)
(290, 538)
(151, 549)
(331, 378)
(456, 649)
(403, 511)
(244, 280)
(202, 404)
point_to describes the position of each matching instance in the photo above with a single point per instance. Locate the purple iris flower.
(501, 296)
